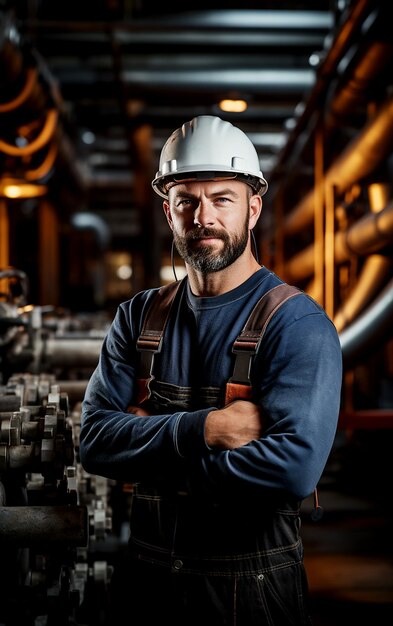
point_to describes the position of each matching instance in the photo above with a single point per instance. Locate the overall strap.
(149, 341)
(247, 343)
(246, 346)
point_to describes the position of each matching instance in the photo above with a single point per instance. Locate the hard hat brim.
(162, 183)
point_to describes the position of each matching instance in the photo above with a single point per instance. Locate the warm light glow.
(10, 188)
(25, 309)
(233, 106)
(124, 272)
(166, 272)
(12, 191)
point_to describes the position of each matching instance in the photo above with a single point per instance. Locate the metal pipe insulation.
(29, 526)
(369, 234)
(370, 329)
(348, 30)
(71, 352)
(375, 272)
(377, 267)
(373, 59)
(361, 157)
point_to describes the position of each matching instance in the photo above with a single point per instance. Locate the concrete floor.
(349, 552)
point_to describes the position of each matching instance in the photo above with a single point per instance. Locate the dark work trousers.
(190, 562)
(244, 593)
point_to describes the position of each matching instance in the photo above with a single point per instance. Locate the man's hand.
(137, 410)
(233, 426)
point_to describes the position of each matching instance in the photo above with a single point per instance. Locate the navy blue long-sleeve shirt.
(296, 378)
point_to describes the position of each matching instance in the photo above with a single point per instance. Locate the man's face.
(210, 222)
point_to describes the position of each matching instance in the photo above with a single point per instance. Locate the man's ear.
(167, 211)
(255, 209)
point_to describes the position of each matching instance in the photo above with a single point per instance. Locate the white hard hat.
(208, 148)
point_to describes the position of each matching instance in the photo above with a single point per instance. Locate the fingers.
(137, 410)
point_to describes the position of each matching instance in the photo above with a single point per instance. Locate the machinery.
(55, 519)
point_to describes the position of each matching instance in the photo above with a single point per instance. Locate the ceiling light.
(124, 272)
(233, 106)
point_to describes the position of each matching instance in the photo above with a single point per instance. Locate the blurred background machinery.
(58, 537)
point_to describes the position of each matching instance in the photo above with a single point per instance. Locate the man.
(217, 486)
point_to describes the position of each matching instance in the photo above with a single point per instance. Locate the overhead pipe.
(373, 276)
(46, 134)
(370, 329)
(236, 20)
(33, 100)
(377, 267)
(23, 95)
(348, 30)
(30, 99)
(361, 157)
(369, 234)
(371, 61)
(372, 58)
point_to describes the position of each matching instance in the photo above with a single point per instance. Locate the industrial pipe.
(28, 526)
(348, 31)
(361, 157)
(377, 267)
(370, 329)
(369, 234)
(79, 352)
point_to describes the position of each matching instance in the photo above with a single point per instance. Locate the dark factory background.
(89, 92)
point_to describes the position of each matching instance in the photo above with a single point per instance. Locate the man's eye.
(222, 200)
(183, 203)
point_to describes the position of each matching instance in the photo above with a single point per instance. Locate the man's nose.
(204, 214)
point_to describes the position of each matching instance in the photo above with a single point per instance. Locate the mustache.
(202, 233)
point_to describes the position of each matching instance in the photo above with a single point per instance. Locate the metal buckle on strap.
(148, 344)
(244, 348)
(150, 340)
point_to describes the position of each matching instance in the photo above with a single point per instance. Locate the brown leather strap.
(266, 307)
(156, 318)
(236, 391)
(149, 341)
(247, 343)
(245, 346)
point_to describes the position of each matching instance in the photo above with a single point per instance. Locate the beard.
(205, 259)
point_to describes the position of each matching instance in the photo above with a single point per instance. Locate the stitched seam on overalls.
(175, 432)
